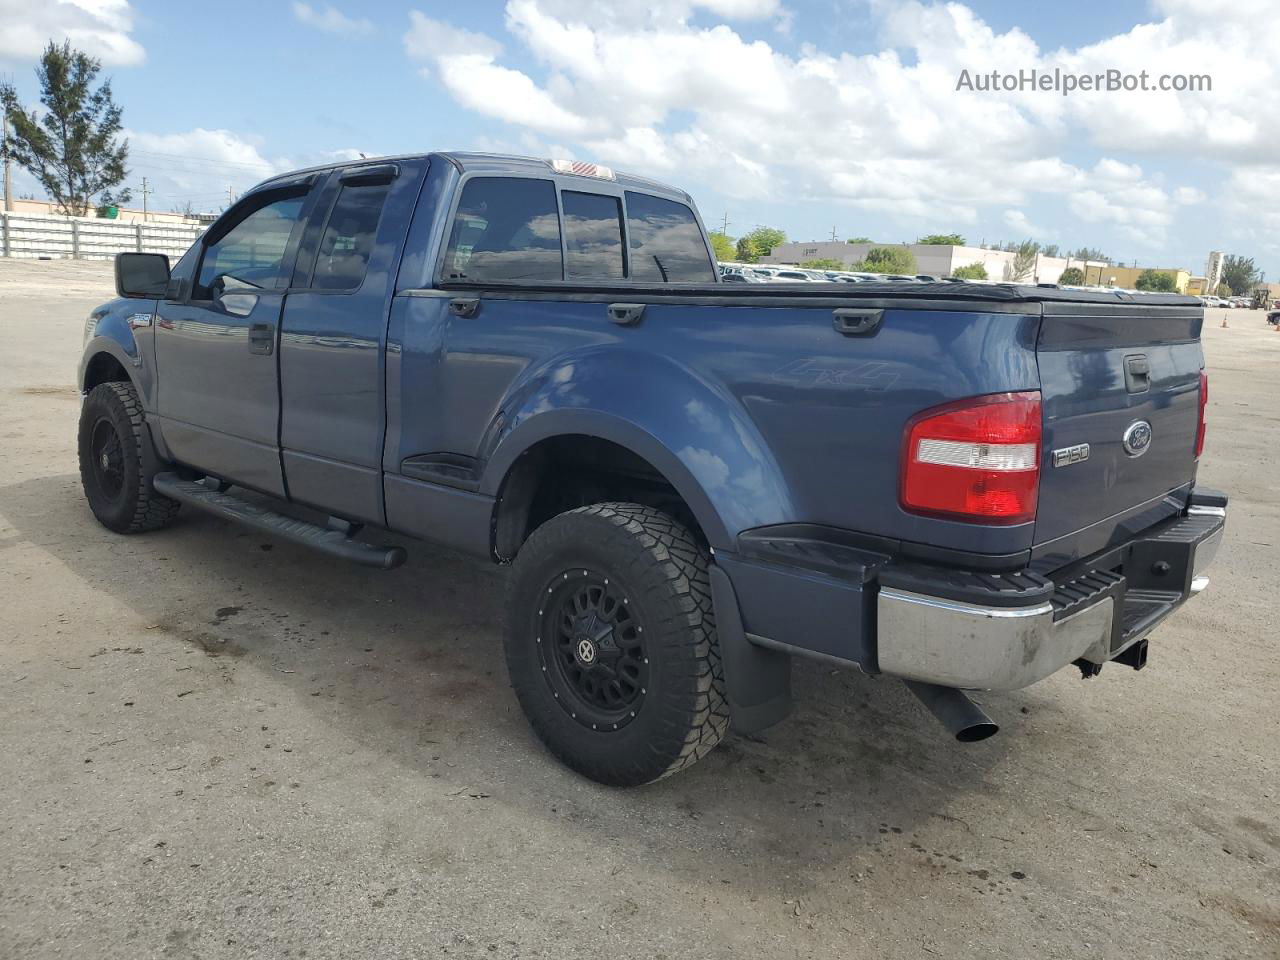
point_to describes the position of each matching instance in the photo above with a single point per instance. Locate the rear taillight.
(976, 460)
(1204, 399)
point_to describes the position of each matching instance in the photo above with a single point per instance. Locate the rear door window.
(666, 242)
(348, 237)
(506, 228)
(593, 236)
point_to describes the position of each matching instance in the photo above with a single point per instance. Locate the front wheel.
(611, 643)
(116, 467)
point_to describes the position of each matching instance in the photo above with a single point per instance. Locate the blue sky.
(805, 115)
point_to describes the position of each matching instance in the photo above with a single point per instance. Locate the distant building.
(45, 208)
(941, 261)
(938, 260)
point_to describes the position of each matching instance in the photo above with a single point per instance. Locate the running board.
(333, 542)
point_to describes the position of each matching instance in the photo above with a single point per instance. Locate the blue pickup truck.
(964, 486)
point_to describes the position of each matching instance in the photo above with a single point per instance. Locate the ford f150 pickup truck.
(968, 487)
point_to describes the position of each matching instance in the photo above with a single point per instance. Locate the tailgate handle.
(1137, 374)
(856, 323)
(626, 314)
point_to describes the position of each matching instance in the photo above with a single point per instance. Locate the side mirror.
(142, 274)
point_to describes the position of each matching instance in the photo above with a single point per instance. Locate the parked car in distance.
(537, 363)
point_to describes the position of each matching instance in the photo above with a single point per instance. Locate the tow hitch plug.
(1134, 656)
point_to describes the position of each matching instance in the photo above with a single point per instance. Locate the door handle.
(464, 306)
(626, 314)
(262, 338)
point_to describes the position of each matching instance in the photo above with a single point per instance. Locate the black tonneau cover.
(998, 297)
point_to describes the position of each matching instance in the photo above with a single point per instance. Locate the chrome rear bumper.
(975, 646)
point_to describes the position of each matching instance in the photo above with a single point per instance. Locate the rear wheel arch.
(561, 472)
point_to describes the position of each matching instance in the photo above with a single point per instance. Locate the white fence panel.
(87, 238)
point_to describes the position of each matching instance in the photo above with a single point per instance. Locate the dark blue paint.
(758, 415)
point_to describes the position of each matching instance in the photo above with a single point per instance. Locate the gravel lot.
(216, 746)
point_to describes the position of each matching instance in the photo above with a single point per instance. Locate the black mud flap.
(757, 679)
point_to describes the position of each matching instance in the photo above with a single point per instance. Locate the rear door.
(1123, 380)
(216, 350)
(333, 337)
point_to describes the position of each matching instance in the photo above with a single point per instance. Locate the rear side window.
(251, 254)
(593, 235)
(506, 228)
(348, 237)
(666, 243)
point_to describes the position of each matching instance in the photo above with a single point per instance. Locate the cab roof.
(492, 164)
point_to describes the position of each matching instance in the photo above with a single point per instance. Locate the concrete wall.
(88, 238)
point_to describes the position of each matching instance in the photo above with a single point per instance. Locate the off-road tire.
(660, 570)
(121, 498)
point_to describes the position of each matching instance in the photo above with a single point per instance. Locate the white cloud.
(1017, 221)
(100, 28)
(663, 88)
(205, 167)
(330, 19)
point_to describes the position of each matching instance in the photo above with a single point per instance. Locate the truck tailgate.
(1106, 370)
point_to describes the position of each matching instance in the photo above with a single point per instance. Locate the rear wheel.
(611, 643)
(116, 466)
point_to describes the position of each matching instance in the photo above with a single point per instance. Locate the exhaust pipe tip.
(977, 731)
(961, 717)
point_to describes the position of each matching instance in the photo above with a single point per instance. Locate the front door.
(216, 350)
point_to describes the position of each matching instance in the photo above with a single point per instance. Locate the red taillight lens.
(975, 460)
(1204, 399)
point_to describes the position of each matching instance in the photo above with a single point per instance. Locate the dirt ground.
(212, 745)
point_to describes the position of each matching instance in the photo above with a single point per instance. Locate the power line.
(254, 165)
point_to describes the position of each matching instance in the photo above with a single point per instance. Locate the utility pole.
(231, 197)
(146, 189)
(724, 227)
(8, 172)
(833, 233)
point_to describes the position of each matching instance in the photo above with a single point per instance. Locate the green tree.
(1049, 249)
(721, 245)
(1024, 261)
(1239, 273)
(1090, 253)
(826, 263)
(943, 240)
(973, 271)
(1156, 281)
(73, 148)
(887, 260)
(859, 240)
(764, 239)
(747, 251)
(1071, 277)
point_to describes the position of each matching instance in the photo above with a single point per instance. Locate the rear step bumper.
(990, 632)
(333, 542)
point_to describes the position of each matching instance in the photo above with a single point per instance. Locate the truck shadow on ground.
(409, 662)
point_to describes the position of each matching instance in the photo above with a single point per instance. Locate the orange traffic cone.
(1224, 319)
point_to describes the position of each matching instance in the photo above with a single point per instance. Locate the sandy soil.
(216, 746)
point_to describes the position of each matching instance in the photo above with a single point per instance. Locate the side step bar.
(333, 542)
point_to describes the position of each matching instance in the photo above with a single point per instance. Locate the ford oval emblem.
(1137, 438)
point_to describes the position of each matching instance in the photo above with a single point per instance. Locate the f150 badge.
(1137, 438)
(1069, 455)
